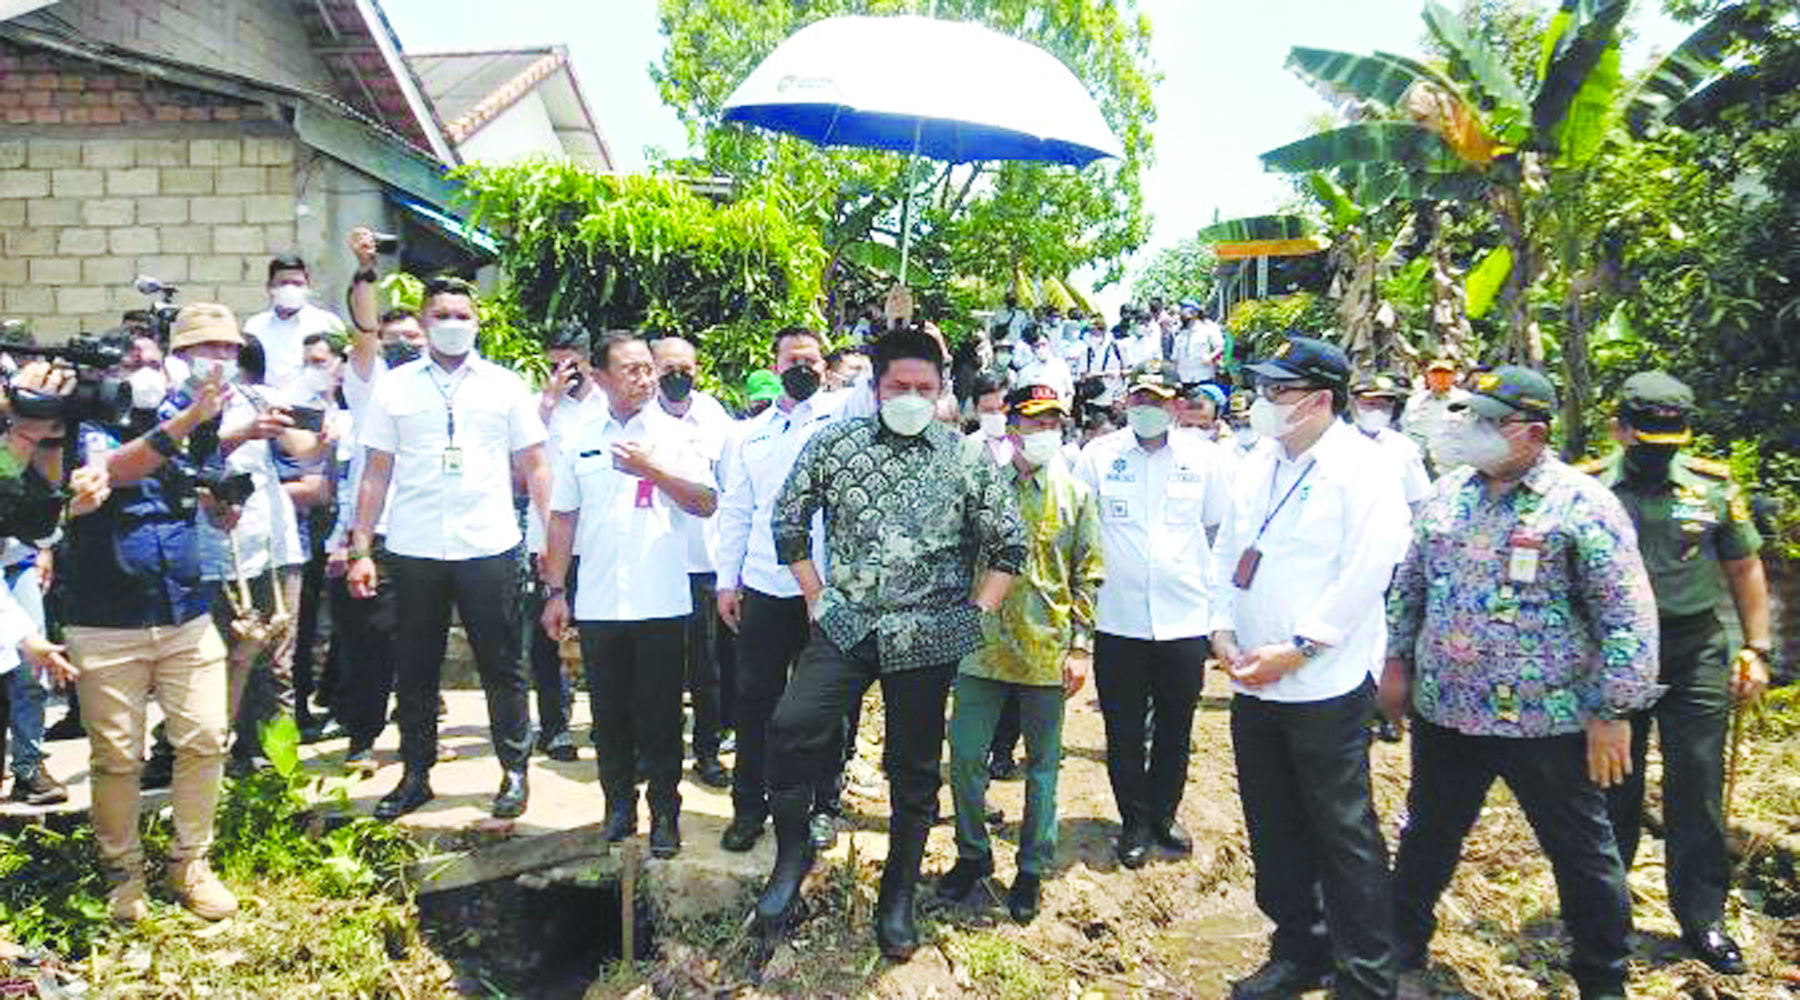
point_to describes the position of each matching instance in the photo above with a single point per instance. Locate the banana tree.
(1467, 131)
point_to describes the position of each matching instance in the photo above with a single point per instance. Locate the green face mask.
(908, 415)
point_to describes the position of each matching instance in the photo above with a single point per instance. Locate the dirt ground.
(1176, 928)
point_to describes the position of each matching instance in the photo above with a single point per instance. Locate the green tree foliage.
(974, 226)
(641, 253)
(1182, 271)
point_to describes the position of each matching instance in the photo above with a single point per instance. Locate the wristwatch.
(1307, 647)
(552, 593)
(366, 276)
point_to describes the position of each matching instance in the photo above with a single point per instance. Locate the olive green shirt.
(1050, 608)
(1685, 527)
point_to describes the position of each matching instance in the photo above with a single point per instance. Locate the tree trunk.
(1577, 377)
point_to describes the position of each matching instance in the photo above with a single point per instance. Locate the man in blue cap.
(1303, 563)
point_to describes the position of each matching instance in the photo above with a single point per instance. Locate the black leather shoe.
(711, 773)
(1716, 948)
(1023, 898)
(509, 802)
(39, 789)
(1280, 979)
(413, 791)
(1133, 846)
(558, 747)
(158, 772)
(621, 818)
(665, 836)
(962, 878)
(742, 834)
(1172, 836)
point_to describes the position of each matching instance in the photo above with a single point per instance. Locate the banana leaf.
(1365, 142)
(1259, 227)
(1581, 34)
(1380, 78)
(1486, 279)
(1473, 60)
(1775, 75)
(1680, 74)
(1339, 206)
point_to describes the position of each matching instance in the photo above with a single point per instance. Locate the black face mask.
(799, 382)
(1649, 463)
(398, 353)
(676, 384)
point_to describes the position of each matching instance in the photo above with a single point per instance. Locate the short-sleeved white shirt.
(630, 537)
(433, 512)
(284, 338)
(267, 524)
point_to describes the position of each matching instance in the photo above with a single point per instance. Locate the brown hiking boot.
(194, 883)
(125, 903)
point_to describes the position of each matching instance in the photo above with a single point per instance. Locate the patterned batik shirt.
(1050, 608)
(1527, 614)
(908, 521)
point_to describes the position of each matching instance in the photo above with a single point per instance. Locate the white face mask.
(204, 370)
(1271, 420)
(1374, 421)
(908, 415)
(1467, 441)
(993, 424)
(1039, 447)
(452, 337)
(148, 387)
(1148, 422)
(287, 298)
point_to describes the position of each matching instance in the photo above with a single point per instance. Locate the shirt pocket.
(488, 420)
(418, 422)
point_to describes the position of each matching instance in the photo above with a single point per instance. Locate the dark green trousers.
(1691, 721)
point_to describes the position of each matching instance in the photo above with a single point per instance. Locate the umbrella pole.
(906, 202)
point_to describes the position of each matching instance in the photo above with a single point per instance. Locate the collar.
(470, 361)
(1536, 479)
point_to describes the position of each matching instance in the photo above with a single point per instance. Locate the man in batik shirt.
(911, 515)
(1522, 636)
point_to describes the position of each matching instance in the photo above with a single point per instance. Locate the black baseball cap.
(1380, 384)
(1305, 359)
(1655, 405)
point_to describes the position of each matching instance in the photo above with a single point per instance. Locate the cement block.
(279, 180)
(47, 154)
(268, 152)
(13, 271)
(164, 267)
(215, 152)
(218, 209)
(133, 241)
(277, 208)
(186, 239)
(81, 242)
(218, 268)
(187, 180)
(239, 240)
(78, 183)
(109, 212)
(104, 153)
(162, 210)
(56, 271)
(160, 152)
(82, 299)
(12, 213)
(25, 184)
(26, 299)
(53, 212)
(243, 180)
(12, 154)
(30, 242)
(132, 181)
(109, 272)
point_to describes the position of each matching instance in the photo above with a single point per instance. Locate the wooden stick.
(628, 903)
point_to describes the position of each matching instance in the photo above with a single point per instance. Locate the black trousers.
(702, 664)
(313, 671)
(485, 593)
(771, 635)
(1131, 675)
(551, 686)
(1321, 865)
(363, 631)
(1691, 721)
(806, 732)
(1451, 774)
(634, 672)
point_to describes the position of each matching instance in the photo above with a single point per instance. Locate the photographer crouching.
(138, 618)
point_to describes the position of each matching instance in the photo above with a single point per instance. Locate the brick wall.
(260, 39)
(39, 89)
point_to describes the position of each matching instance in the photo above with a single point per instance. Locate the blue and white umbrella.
(947, 90)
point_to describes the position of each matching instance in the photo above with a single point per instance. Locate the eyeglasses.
(1274, 391)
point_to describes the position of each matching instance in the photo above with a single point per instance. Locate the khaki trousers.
(185, 664)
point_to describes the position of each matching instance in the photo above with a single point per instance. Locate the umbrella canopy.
(947, 90)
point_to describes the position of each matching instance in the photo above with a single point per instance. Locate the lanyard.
(449, 401)
(1284, 497)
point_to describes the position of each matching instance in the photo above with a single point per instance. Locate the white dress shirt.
(1155, 507)
(1198, 347)
(1408, 464)
(267, 523)
(438, 513)
(1048, 368)
(1328, 556)
(1000, 449)
(566, 416)
(284, 339)
(706, 427)
(630, 537)
(763, 453)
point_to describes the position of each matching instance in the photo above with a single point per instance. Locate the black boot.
(621, 795)
(413, 791)
(791, 809)
(895, 932)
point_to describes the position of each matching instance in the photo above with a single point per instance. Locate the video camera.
(99, 395)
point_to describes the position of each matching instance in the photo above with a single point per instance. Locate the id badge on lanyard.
(1524, 556)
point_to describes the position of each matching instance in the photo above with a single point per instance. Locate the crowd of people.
(291, 510)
